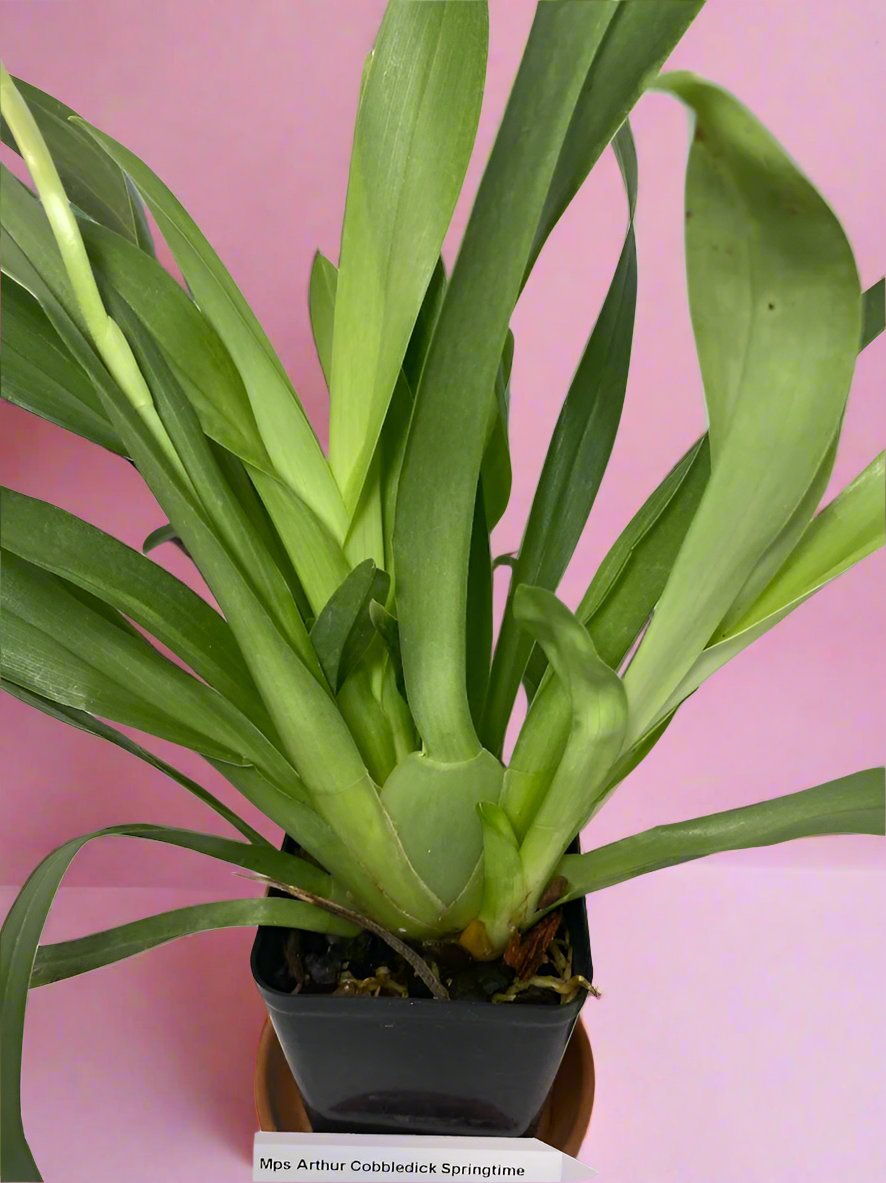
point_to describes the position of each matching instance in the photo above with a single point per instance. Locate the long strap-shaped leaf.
(311, 729)
(29, 254)
(627, 585)
(199, 360)
(342, 632)
(92, 726)
(321, 842)
(61, 647)
(23, 927)
(105, 335)
(873, 318)
(188, 339)
(228, 519)
(759, 240)
(599, 718)
(69, 959)
(284, 427)
(40, 375)
(614, 610)
(849, 529)
(575, 462)
(637, 41)
(28, 246)
(37, 663)
(441, 467)
(59, 542)
(496, 468)
(93, 182)
(504, 885)
(849, 805)
(415, 130)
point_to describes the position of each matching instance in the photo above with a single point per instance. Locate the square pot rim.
(357, 1007)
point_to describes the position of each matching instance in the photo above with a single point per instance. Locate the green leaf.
(626, 586)
(873, 318)
(92, 726)
(147, 300)
(614, 609)
(495, 469)
(40, 663)
(311, 728)
(387, 627)
(92, 181)
(282, 423)
(637, 41)
(321, 302)
(433, 809)
(633, 574)
(849, 529)
(599, 718)
(79, 293)
(68, 959)
(775, 555)
(29, 252)
(40, 375)
(57, 541)
(239, 478)
(318, 840)
(447, 438)
(425, 323)
(316, 556)
(161, 535)
(849, 805)
(23, 928)
(504, 884)
(190, 344)
(227, 516)
(775, 304)
(575, 463)
(415, 130)
(343, 631)
(57, 646)
(478, 630)
(391, 449)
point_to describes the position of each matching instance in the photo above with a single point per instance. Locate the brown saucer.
(563, 1123)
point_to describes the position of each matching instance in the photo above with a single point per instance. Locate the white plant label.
(344, 1158)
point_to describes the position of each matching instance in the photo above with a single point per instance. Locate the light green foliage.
(341, 678)
(448, 432)
(850, 805)
(776, 308)
(598, 721)
(433, 807)
(419, 108)
(504, 880)
(343, 631)
(576, 460)
(93, 183)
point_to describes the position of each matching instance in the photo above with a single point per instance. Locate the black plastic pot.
(420, 1066)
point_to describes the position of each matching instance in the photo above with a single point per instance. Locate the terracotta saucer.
(563, 1123)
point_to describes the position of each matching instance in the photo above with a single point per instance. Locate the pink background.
(714, 1062)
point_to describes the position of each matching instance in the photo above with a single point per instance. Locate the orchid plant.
(345, 680)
